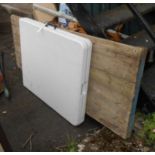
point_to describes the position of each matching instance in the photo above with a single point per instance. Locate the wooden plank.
(44, 17)
(115, 76)
(121, 14)
(16, 38)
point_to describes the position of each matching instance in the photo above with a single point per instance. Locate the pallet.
(115, 77)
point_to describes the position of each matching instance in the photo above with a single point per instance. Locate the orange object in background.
(75, 27)
(116, 34)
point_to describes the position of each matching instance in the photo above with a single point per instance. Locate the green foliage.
(148, 133)
(71, 145)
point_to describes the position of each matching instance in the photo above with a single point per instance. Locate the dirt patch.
(105, 140)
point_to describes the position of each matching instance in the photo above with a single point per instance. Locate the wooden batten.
(16, 38)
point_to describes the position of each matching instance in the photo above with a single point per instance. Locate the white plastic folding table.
(55, 67)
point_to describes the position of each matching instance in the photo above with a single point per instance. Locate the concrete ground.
(26, 116)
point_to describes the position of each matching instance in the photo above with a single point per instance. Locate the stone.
(81, 147)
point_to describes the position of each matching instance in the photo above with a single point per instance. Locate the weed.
(148, 131)
(71, 145)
